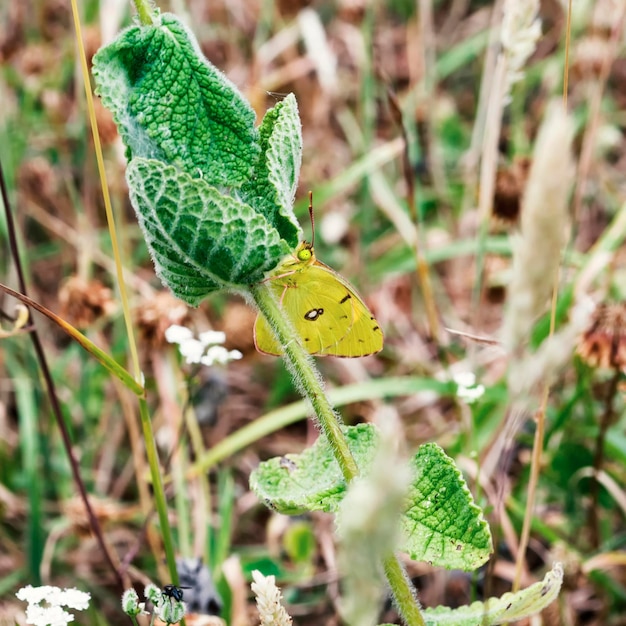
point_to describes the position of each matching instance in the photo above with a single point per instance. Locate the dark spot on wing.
(313, 314)
(345, 298)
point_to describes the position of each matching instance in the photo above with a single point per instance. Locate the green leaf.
(272, 187)
(312, 480)
(171, 104)
(442, 525)
(509, 608)
(200, 240)
(299, 542)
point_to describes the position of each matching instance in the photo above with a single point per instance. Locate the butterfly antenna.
(312, 217)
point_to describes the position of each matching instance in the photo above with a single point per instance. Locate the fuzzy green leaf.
(509, 608)
(200, 240)
(171, 104)
(272, 187)
(312, 480)
(442, 525)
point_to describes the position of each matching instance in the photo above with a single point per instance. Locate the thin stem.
(404, 595)
(422, 268)
(157, 486)
(309, 382)
(535, 463)
(535, 467)
(97, 146)
(605, 421)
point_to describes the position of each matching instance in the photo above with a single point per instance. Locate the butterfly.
(324, 308)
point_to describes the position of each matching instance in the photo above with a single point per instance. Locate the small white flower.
(171, 611)
(178, 334)
(166, 608)
(131, 604)
(470, 395)
(220, 355)
(32, 594)
(74, 599)
(192, 350)
(212, 337)
(465, 379)
(153, 593)
(207, 349)
(467, 389)
(47, 616)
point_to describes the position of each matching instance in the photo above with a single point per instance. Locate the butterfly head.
(305, 252)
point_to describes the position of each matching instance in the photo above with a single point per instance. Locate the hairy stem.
(145, 12)
(309, 382)
(404, 595)
(306, 377)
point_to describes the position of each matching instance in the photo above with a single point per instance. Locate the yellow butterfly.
(324, 308)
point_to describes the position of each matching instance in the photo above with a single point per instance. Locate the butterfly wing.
(327, 313)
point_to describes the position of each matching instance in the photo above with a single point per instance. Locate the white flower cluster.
(206, 349)
(55, 598)
(467, 389)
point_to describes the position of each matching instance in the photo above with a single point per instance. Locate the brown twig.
(421, 264)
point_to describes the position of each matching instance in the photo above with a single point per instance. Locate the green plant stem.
(157, 486)
(306, 377)
(145, 13)
(403, 593)
(309, 382)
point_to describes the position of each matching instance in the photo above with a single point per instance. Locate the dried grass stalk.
(521, 29)
(544, 227)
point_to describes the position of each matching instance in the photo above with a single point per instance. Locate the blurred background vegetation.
(371, 78)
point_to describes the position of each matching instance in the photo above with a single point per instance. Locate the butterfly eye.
(305, 254)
